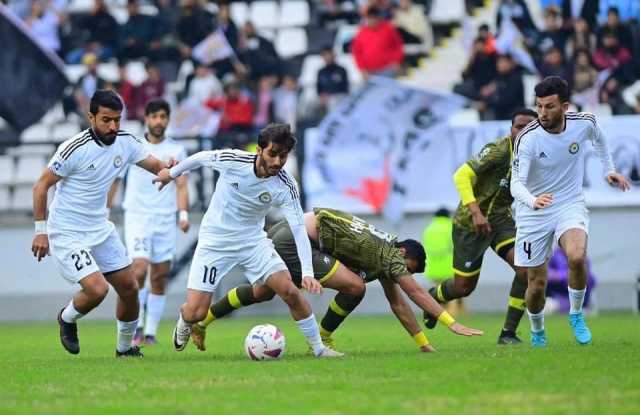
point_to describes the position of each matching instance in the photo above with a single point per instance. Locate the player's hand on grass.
(427, 348)
(458, 328)
(163, 178)
(40, 246)
(310, 284)
(619, 181)
(543, 201)
(481, 223)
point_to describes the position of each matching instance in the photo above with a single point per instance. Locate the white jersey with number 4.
(235, 218)
(554, 163)
(88, 167)
(141, 195)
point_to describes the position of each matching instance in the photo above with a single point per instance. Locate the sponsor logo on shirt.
(56, 165)
(504, 182)
(265, 197)
(467, 264)
(235, 185)
(91, 167)
(542, 155)
(574, 148)
(326, 260)
(117, 161)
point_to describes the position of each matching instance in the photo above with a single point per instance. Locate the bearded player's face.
(157, 123)
(106, 123)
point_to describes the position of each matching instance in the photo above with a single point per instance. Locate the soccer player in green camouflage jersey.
(347, 253)
(484, 219)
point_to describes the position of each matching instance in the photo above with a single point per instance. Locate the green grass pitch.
(382, 374)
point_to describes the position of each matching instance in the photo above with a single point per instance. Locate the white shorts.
(535, 235)
(151, 237)
(76, 259)
(210, 266)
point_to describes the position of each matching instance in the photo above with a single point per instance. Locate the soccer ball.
(264, 342)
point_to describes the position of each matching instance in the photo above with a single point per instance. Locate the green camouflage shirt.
(492, 166)
(359, 245)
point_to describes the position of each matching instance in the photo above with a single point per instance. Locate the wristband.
(446, 319)
(41, 227)
(420, 339)
(183, 215)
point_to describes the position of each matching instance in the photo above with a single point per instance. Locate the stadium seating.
(65, 131)
(6, 170)
(239, 13)
(5, 195)
(22, 198)
(28, 169)
(36, 133)
(291, 42)
(264, 14)
(294, 13)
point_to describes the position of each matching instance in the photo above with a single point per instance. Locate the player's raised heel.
(327, 352)
(580, 329)
(134, 351)
(508, 337)
(138, 338)
(538, 338)
(181, 338)
(68, 335)
(198, 335)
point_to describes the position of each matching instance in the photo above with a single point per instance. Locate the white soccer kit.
(82, 239)
(552, 163)
(232, 230)
(150, 215)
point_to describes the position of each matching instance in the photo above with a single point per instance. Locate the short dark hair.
(613, 10)
(414, 250)
(523, 111)
(373, 11)
(157, 104)
(277, 133)
(105, 98)
(442, 212)
(553, 85)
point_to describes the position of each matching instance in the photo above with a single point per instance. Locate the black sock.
(516, 304)
(236, 298)
(338, 310)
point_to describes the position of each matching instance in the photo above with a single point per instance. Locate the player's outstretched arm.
(427, 303)
(154, 165)
(405, 316)
(618, 180)
(182, 193)
(40, 244)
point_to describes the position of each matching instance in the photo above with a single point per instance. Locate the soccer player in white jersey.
(232, 232)
(547, 178)
(84, 244)
(150, 221)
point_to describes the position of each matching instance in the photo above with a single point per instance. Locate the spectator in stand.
(264, 102)
(485, 34)
(620, 29)
(139, 37)
(611, 94)
(87, 84)
(412, 24)
(581, 38)
(504, 93)
(102, 39)
(152, 87)
(516, 12)
(553, 34)
(574, 10)
(377, 47)
(43, 23)
(194, 24)
(330, 11)
(332, 82)
(257, 54)
(203, 86)
(479, 71)
(230, 31)
(626, 9)
(613, 57)
(285, 101)
(553, 64)
(127, 92)
(584, 81)
(236, 110)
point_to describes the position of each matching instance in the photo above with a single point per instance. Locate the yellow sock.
(324, 333)
(208, 320)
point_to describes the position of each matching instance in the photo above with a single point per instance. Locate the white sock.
(309, 327)
(182, 324)
(155, 308)
(142, 299)
(126, 330)
(536, 320)
(576, 298)
(70, 314)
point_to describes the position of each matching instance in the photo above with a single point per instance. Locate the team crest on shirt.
(265, 197)
(117, 161)
(574, 147)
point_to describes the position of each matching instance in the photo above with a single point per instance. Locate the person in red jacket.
(377, 47)
(236, 108)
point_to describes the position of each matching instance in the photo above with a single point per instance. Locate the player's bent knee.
(97, 291)
(576, 261)
(290, 294)
(357, 290)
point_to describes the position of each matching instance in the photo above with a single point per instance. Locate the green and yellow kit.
(491, 170)
(345, 238)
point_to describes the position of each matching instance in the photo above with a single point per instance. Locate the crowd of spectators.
(594, 44)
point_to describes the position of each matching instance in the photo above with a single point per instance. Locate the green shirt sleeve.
(491, 155)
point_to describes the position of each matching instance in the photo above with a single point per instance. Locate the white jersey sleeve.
(219, 160)
(289, 202)
(520, 171)
(68, 156)
(602, 150)
(138, 151)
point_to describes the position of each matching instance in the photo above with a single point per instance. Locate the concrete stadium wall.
(34, 291)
